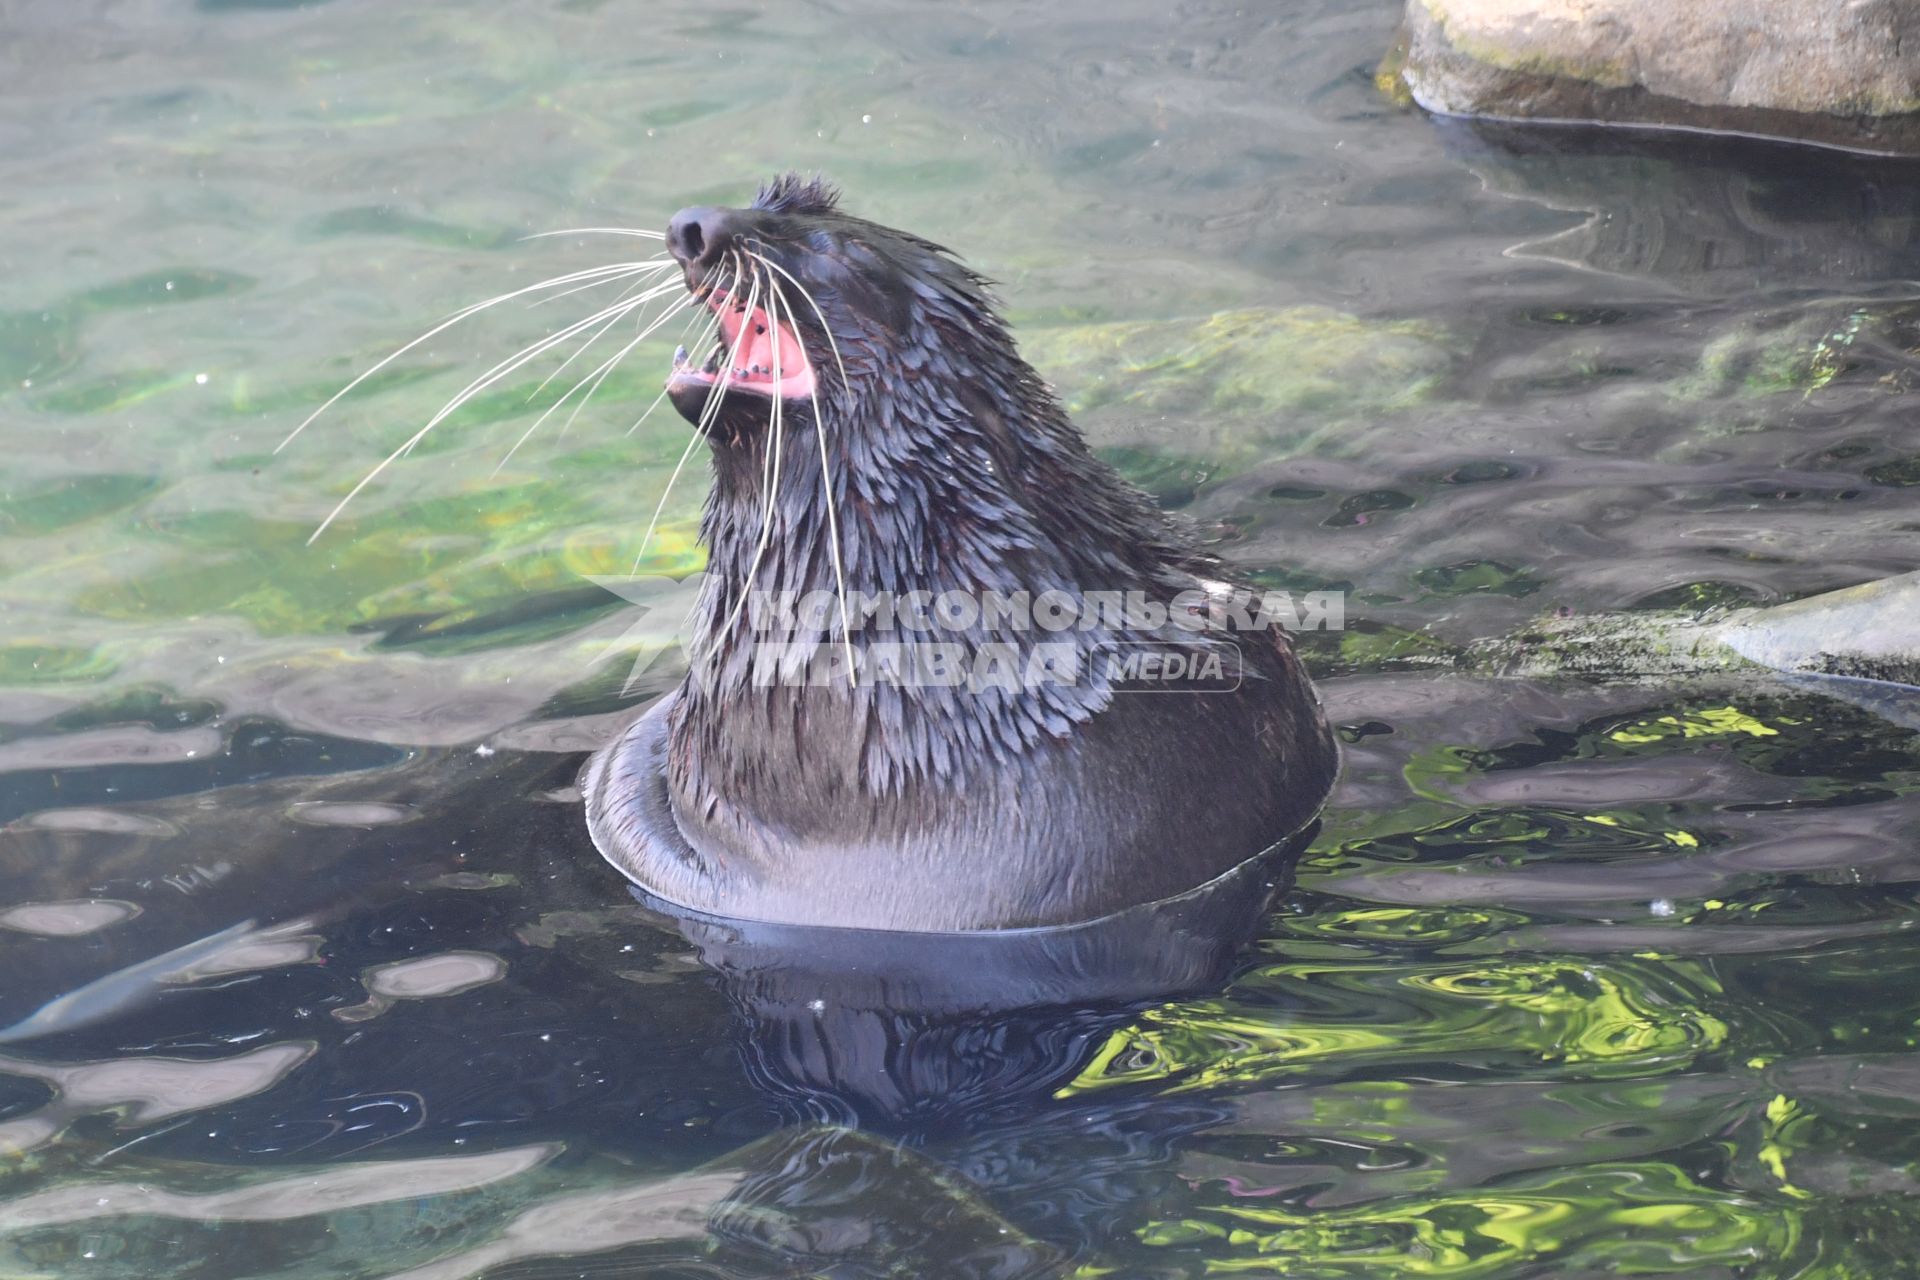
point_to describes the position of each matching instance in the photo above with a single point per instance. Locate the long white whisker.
(654, 523)
(826, 478)
(686, 336)
(472, 389)
(693, 439)
(473, 309)
(578, 352)
(652, 267)
(598, 376)
(825, 328)
(718, 391)
(655, 292)
(598, 231)
(770, 469)
(520, 358)
(645, 333)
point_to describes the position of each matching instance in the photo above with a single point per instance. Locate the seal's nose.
(699, 237)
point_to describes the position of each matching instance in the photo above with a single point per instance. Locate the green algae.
(1311, 363)
(491, 549)
(40, 344)
(386, 220)
(1172, 478)
(1604, 72)
(35, 510)
(163, 288)
(113, 392)
(1366, 645)
(1434, 1087)
(1640, 1218)
(147, 705)
(1799, 352)
(36, 344)
(1567, 1019)
(1903, 473)
(24, 662)
(1473, 577)
(754, 1211)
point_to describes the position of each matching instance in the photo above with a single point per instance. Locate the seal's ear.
(791, 193)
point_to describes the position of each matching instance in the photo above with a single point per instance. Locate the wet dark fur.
(954, 468)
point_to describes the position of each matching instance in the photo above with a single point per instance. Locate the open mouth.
(752, 353)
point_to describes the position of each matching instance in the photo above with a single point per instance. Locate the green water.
(1581, 979)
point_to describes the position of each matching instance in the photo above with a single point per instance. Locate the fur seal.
(876, 437)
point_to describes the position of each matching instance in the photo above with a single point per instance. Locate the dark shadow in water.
(965, 1041)
(1704, 214)
(925, 1034)
(251, 749)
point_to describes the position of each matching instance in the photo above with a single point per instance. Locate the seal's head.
(730, 259)
(876, 436)
(830, 313)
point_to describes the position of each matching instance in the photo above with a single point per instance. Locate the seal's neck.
(978, 487)
(946, 504)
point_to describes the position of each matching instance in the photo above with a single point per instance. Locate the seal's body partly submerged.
(875, 434)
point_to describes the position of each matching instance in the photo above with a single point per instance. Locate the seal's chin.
(754, 355)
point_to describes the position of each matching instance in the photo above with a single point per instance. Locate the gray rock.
(1841, 73)
(1859, 644)
(1868, 632)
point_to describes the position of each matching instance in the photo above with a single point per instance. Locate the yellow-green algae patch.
(1619, 1018)
(1637, 1218)
(25, 662)
(1310, 361)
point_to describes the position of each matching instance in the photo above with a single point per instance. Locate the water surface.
(312, 970)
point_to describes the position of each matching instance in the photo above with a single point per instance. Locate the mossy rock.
(1311, 364)
(1807, 70)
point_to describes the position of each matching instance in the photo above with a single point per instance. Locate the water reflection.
(114, 993)
(1704, 216)
(446, 974)
(1533, 975)
(143, 1090)
(1582, 979)
(334, 1190)
(915, 1033)
(66, 919)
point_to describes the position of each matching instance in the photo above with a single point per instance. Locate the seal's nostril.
(697, 237)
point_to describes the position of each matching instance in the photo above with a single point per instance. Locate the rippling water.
(312, 971)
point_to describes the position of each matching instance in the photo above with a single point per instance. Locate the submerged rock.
(1860, 643)
(1842, 75)
(1704, 216)
(1868, 632)
(1311, 363)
